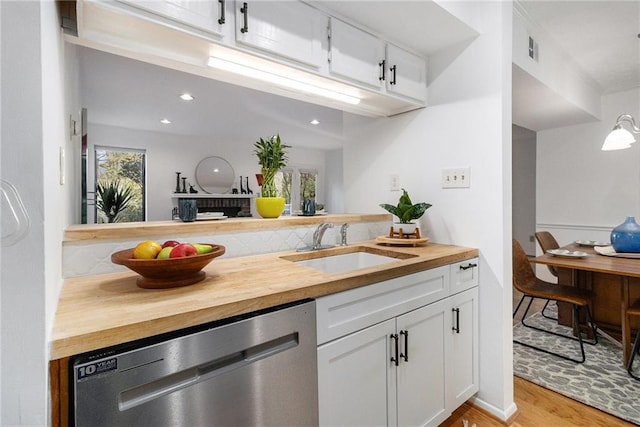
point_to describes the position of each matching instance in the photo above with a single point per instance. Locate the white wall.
(32, 132)
(580, 187)
(169, 153)
(468, 124)
(524, 188)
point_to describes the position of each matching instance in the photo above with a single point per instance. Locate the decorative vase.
(407, 227)
(626, 236)
(187, 209)
(270, 207)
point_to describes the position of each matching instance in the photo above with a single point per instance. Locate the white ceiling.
(601, 36)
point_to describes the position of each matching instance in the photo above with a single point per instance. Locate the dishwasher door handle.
(147, 392)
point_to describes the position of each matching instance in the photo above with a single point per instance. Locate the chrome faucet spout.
(317, 235)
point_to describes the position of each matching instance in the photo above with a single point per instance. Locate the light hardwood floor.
(537, 406)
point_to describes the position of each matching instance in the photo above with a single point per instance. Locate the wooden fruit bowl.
(167, 273)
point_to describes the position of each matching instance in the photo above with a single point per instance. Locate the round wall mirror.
(215, 175)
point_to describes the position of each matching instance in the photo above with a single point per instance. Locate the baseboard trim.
(505, 417)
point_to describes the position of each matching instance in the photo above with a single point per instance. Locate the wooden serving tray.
(395, 241)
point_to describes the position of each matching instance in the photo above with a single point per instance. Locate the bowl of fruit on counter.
(168, 265)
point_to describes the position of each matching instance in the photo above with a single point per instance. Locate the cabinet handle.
(468, 266)
(393, 79)
(394, 358)
(222, 17)
(405, 356)
(456, 328)
(382, 69)
(245, 20)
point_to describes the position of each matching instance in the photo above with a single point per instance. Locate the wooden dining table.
(614, 281)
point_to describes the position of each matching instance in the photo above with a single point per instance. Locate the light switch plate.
(456, 178)
(394, 182)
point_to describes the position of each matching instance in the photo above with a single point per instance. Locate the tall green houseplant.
(113, 198)
(272, 157)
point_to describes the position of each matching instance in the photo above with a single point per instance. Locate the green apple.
(165, 252)
(202, 249)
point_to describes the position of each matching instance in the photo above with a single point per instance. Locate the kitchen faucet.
(343, 234)
(317, 235)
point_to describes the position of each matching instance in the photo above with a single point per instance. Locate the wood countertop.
(129, 230)
(105, 310)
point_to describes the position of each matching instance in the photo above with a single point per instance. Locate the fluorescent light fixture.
(165, 121)
(620, 138)
(187, 97)
(272, 76)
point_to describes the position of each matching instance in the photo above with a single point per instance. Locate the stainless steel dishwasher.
(253, 370)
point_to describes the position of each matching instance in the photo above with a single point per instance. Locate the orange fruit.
(147, 250)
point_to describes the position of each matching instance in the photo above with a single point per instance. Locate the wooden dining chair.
(634, 310)
(546, 242)
(525, 281)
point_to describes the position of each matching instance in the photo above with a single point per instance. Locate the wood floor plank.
(538, 407)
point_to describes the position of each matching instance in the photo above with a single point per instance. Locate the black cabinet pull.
(394, 358)
(245, 19)
(393, 79)
(405, 356)
(456, 328)
(222, 17)
(468, 266)
(382, 70)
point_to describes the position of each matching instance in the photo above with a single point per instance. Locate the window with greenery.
(120, 185)
(305, 180)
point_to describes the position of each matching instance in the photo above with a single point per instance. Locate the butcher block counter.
(109, 309)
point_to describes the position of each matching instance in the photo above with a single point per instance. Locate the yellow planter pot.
(270, 207)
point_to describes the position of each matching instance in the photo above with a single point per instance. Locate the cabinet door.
(463, 355)
(207, 15)
(421, 378)
(356, 380)
(289, 29)
(407, 73)
(355, 54)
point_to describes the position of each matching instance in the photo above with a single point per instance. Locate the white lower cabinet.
(412, 369)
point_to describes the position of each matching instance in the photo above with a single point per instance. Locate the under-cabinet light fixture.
(620, 138)
(273, 76)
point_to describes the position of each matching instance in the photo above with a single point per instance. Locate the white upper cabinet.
(292, 30)
(407, 73)
(356, 54)
(364, 58)
(206, 15)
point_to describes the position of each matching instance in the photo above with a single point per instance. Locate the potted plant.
(406, 212)
(272, 157)
(113, 198)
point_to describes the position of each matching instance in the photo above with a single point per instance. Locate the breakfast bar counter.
(109, 309)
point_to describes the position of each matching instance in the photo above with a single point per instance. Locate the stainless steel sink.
(343, 260)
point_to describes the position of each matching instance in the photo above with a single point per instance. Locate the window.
(120, 185)
(302, 179)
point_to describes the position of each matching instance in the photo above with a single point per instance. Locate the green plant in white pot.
(406, 211)
(272, 157)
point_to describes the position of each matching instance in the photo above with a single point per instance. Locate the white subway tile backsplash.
(87, 258)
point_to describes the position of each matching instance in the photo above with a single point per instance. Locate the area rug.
(601, 381)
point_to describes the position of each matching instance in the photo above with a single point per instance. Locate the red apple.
(182, 250)
(171, 243)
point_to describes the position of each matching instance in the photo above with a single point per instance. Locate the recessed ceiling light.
(165, 121)
(187, 97)
(314, 122)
